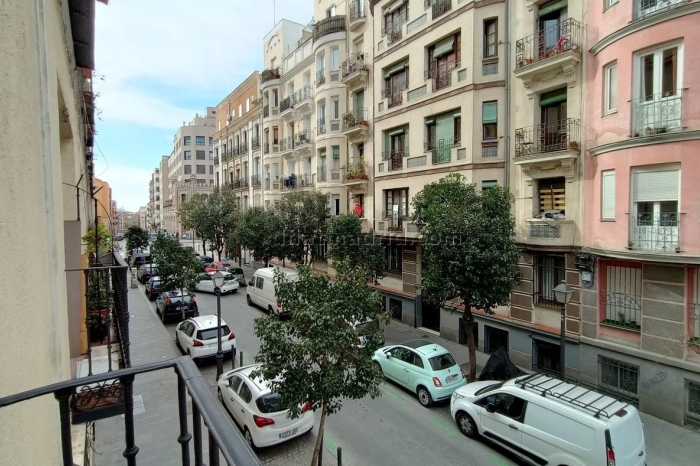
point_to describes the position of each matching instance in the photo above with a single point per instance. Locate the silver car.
(238, 274)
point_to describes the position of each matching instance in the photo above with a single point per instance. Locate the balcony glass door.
(655, 225)
(397, 154)
(658, 107)
(549, 32)
(553, 131)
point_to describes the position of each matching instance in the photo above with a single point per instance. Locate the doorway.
(554, 131)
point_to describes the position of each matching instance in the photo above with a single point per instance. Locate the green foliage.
(315, 350)
(98, 297)
(304, 216)
(346, 241)
(468, 246)
(213, 217)
(178, 268)
(89, 239)
(136, 238)
(261, 232)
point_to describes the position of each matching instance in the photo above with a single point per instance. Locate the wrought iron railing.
(394, 159)
(354, 63)
(440, 7)
(356, 171)
(270, 74)
(235, 184)
(236, 150)
(644, 8)
(328, 26)
(548, 137)
(656, 113)
(224, 438)
(321, 77)
(554, 40)
(243, 148)
(255, 181)
(656, 232)
(355, 119)
(303, 137)
(287, 144)
(306, 180)
(441, 74)
(442, 149)
(216, 160)
(394, 35)
(394, 223)
(393, 95)
(321, 126)
(357, 10)
(266, 148)
(286, 103)
(622, 310)
(266, 111)
(303, 94)
(256, 142)
(321, 174)
(267, 183)
(549, 275)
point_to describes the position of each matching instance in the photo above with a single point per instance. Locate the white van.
(548, 421)
(261, 289)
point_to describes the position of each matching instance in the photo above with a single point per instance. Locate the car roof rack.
(578, 394)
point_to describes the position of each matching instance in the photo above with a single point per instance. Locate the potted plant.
(573, 145)
(621, 318)
(363, 123)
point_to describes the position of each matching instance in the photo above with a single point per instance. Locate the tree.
(469, 248)
(261, 232)
(213, 216)
(89, 239)
(315, 349)
(346, 241)
(304, 217)
(136, 238)
(178, 268)
(193, 215)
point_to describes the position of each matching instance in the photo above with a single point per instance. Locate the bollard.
(320, 453)
(233, 359)
(340, 456)
(241, 361)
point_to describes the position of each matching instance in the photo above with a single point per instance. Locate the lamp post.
(218, 278)
(563, 294)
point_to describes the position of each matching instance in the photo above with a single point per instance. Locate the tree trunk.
(468, 324)
(319, 439)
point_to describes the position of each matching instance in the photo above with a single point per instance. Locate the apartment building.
(237, 142)
(154, 219)
(433, 62)
(190, 167)
(114, 218)
(640, 315)
(103, 194)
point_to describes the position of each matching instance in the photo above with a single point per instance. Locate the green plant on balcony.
(356, 172)
(99, 304)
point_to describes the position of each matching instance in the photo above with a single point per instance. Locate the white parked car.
(206, 283)
(196, 336)
(256, 409)
(548, 421)
(261, 289)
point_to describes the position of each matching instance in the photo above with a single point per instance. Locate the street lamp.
(218, 278)
(563, 294)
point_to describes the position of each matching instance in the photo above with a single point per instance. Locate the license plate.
(289, 433)
(451, 378)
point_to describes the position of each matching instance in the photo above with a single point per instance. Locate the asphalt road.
(393, 429)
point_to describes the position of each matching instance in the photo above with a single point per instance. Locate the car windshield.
(228, 276)
(210, 333)
(481, 391)
(269, 403)
(441, 362)
(236, 270)
(368, 327)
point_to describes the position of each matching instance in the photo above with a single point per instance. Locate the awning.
(457, 115)
(553, 97)
(397, 132)
(395, 6)
(489, 113)
(552, 7)
(395, 69)
(444, 47)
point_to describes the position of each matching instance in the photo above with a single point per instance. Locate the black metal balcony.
(441, 74)
(354, 63)
(256, 142)
(329, 26)
(287, 144)
(656, 232)
(236, 150)
(394, 35)
(355, 119)
(394, 97)
(243, 148)
(255, 181)
(302, 94)
(440, 7)
(266, 149)
(553, 41)
(394, 159)
(216, 160)
(270, 74)
(303, 137)
(442, 149)
(562, 135)
(286, 103)
(224, 437)
(357, 10)
(656, 113)
(266, 111)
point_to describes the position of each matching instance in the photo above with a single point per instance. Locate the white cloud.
(182, 44)
(129, 185)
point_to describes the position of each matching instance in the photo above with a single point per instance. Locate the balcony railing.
(357, 10)
(354, 63)
(321, 174)
(393, 35)
(270, 74)
(224, 438)
(441, 74)
(267, 183)
(321, 77)
(329, 26)
(286, 103)
(394, 223)
(321, 126)
(266, 148)
(302, 137)
(243, 148)
(356, 171)
(656, 232)
(236, 150)
(216, 160)
(442, 149)
(644, 8)
(306, 180)
(302, 94)
(356, 118)
(256, 142)
(287, 144)
(560, 38)
(440, 7)
(255, 181)
(394, 159)
(548, 137)
(656, 114)
(393, 95)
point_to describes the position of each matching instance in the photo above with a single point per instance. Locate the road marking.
(330, 443)
(443, 427)
(393, 396)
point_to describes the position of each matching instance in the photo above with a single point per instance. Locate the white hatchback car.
(256, 409)
(196, 336)
(206, 283)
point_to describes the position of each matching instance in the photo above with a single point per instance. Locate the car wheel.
(466, 425)
(379, 366)
(424, 397)
(248, 438)
(248, 300)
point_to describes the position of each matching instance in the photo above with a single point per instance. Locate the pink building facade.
(640, 296)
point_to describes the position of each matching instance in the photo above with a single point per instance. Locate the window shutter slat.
(655, 186)
(489, 113)
(608, 194)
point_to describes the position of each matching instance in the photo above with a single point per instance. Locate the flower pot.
(363, 123)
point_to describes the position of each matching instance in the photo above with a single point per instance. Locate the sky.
(158, 63)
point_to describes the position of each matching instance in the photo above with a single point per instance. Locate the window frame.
(619, 365)
(204, 170)
(493, 125)
(603, 198)
(203, 154)
(187, 140)
(657, 51)
(187, 155)
(200, 141)
(487, 23)
(610, 85)
(607, 4)
(187, 170)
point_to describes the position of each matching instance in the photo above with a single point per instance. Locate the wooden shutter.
(608, 196)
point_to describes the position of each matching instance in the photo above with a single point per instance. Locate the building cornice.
(646, 256)
(447, 95)
(663, 138)
(638, 25)
(444, 169)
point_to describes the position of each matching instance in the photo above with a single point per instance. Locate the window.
(444, 361)
(395, 205)
(201, 169)
(394, 18)
(607, 195)
(335, 108)
(488, 184)
(259, 282)
(335, 59)
(335, 151)
(330, 12)
(211, 169)
(621, 287)
(188, 155)
(395, 82)
(335, 204)
(394, 260)
(211, 155)
(609, 3)
(551, 271)
(504, 404)
(443, 133)
(234, 382)
(200, 140)
(489, 119)
(183, 198)
(188, 169)
(692, 404)
(247, 104)
(188, 140)
(491, 38)
(610, 88)
(443, 57)
(618, 376)
(655, 221)
(657, 106)
(211, 141)
(201, 155)
(552, 195)
(245, 393)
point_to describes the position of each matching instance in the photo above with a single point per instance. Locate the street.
(390, 430)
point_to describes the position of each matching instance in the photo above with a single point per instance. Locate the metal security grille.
(692, 404)
(551, 270)
(694, 306)
(618, 377)
(623, 294)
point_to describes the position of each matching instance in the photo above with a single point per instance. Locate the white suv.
(196, 336)
(256, 409)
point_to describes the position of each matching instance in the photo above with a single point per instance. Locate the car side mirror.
(226, 383)
(250, 283)
(491, 408)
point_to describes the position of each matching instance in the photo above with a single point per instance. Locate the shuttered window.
(655, 186)
(607, 211)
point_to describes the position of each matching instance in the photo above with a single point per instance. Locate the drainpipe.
(506, 53)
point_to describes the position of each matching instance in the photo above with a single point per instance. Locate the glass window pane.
(669, 72)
